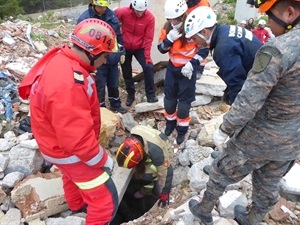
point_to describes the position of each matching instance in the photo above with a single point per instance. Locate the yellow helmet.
(103, 3)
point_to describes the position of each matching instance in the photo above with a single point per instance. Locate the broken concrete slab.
(290, 184)
(121, 177)
(211, 85)
(40, 196)
(229, 200)
(145, 106)
(12, 217)
(108, 126)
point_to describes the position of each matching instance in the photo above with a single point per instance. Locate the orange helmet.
(95, 36)
(265, 5)
(130, 153)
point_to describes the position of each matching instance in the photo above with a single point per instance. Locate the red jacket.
(64, 107)
(137, 32)
(262, 34)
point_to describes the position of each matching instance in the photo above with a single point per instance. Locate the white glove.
(220, 138)
(122, 59)
(173, 35)
(109, 164)
(187, 70)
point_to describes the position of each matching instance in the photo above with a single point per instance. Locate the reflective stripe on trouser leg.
(102, 200)
(102, 203)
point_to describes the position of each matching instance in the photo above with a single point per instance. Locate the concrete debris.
(30, 193)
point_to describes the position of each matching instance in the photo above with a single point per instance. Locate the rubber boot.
(203, 209)
(170, 126)
(243, 217)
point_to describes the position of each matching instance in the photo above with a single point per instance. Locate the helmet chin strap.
(92, 58)
(205, 39)
(282, 23)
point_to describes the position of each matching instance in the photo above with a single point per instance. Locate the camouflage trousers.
(232, 166)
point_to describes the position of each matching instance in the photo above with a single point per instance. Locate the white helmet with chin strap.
(175, 8)
(200, 18)
(139, 5)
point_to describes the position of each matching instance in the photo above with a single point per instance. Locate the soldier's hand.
(163, 200)
(220, 138)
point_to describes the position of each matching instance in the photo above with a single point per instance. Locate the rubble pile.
(31, 190)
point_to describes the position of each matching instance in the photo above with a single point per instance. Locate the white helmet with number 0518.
(200, 18)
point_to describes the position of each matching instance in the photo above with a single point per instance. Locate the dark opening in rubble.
(131, 208)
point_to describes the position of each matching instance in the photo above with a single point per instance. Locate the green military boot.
(196, 209)
(243, 217)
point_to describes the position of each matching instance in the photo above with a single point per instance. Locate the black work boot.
(206, 169)
(196, 210)
(215, 154)
(130, 99)
(152, 100)
(170, 126)
(241, 215)
(181, 131)
(180, 138)
(254, 217)
(120, 109)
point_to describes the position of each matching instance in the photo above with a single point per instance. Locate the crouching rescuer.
(65, 118)
(147, 152)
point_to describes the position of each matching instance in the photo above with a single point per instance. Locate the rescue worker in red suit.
(260, 32)
(65, 118)
(147, 151)
(180, 80)
(137, 28)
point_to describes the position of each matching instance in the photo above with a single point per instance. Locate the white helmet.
(262, 22)
(243, 22)
(175, 8)
(139, 5)
(200, 18)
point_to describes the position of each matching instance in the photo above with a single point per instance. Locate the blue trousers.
(147, 69)
(108, 75)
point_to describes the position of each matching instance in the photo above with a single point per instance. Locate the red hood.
(38, 68)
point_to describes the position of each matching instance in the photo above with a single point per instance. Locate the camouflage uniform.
(265, 123)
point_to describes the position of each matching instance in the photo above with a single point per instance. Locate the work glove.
(109, 165)
(220, 138)
(173, 35)
(122, 59)
(187, 70)
(163, 200)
